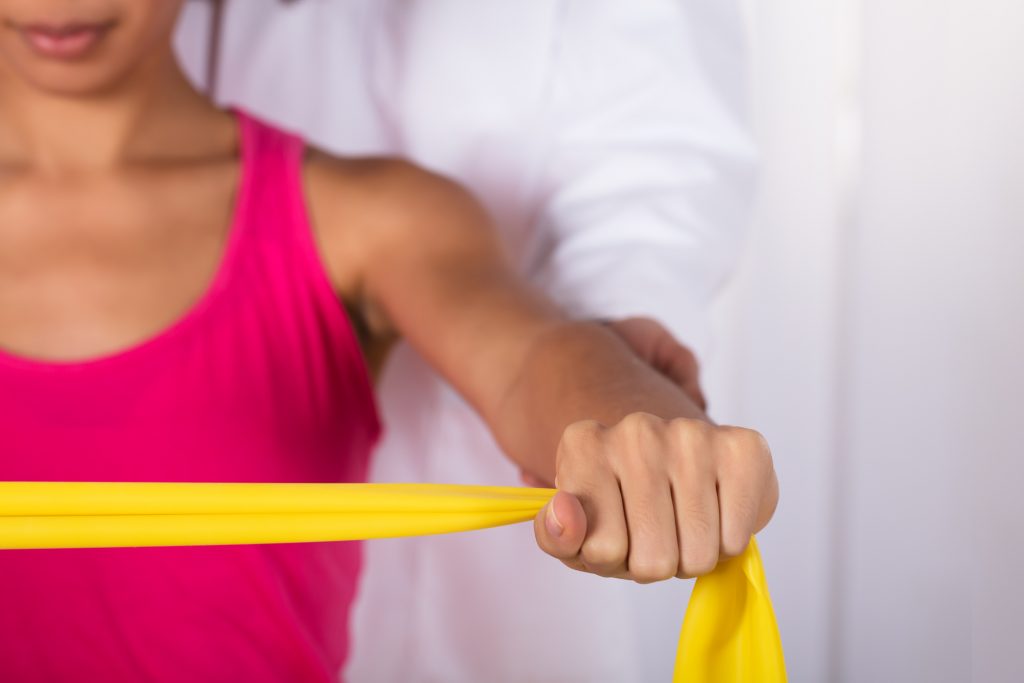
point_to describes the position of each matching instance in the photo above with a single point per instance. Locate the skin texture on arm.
(650, 488)
(656, 346)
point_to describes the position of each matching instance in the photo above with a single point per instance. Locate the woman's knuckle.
(639, 426)
(582, 433)
(700, 560)
(685, 428)
(734, 543)
(604, 553)
(651, 568)
(748, 442)
(691, 439)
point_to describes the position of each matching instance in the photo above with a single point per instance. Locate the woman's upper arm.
(419, 256)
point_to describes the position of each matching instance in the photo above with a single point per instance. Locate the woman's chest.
(89, 267)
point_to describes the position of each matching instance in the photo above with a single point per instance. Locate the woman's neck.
(151, 114)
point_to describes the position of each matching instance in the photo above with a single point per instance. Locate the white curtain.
(875, 333)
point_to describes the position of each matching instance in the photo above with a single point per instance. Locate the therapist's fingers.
(561, 527)
(677, 362)
(656, 346)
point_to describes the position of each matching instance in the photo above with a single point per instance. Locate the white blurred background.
(875, 333)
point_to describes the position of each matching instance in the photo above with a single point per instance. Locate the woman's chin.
(82, 77)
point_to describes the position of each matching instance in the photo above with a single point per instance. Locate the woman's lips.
(67, 41)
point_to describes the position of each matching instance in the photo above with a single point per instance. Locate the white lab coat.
(608, 140)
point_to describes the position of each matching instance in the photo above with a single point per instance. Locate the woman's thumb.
(561, 526)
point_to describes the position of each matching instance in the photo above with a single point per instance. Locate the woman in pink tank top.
(261, 380)
(173, 290)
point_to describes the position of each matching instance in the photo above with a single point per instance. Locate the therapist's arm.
(649, 173)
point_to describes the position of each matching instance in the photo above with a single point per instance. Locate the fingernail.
(555, 527)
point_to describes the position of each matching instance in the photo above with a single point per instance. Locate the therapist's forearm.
(579, 371)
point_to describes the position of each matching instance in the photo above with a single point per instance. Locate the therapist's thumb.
(561, 526)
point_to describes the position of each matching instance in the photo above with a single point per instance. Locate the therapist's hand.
(656, 346)
(648, 499)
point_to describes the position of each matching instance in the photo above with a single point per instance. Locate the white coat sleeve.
(648, 182)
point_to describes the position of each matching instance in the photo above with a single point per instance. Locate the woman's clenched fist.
(648, 499)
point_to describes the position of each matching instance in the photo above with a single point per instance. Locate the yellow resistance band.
(728, 635)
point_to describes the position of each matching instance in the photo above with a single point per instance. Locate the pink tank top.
(263, 380)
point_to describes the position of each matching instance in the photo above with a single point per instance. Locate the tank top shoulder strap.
(274, 206)
(285, 277)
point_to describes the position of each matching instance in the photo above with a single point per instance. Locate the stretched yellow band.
(729, 632)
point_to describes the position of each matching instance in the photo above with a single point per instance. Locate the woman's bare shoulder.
(380, 219)
(367, 204)
(387, 190)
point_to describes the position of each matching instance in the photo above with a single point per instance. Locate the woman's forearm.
(578, 371)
